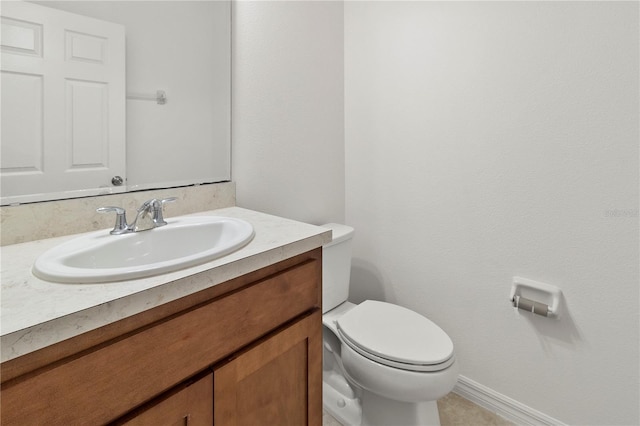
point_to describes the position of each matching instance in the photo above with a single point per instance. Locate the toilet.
(383, 364)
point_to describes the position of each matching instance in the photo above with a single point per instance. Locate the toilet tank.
(336, 266)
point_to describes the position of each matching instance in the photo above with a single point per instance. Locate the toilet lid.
(400, 335)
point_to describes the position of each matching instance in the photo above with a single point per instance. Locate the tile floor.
(454, 411)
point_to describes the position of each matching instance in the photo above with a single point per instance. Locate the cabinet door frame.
(228, 376)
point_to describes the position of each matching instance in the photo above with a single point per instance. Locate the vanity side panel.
(111, 379)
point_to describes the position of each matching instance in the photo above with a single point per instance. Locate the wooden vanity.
(247, 351)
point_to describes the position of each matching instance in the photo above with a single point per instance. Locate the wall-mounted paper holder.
(536, 297)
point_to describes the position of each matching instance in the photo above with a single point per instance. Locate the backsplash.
(36, 221)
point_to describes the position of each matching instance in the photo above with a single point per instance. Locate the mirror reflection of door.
(63, 85)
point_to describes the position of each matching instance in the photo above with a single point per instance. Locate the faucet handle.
(158, 218)
(121, 226)
(168, 200)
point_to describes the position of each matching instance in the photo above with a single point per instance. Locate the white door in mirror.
(63, 84)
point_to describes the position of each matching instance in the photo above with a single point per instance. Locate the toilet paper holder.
(535, 297)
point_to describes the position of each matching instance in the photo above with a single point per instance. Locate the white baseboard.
(503, 406)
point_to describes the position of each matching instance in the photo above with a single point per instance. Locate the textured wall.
(492, 140)
(288, 121)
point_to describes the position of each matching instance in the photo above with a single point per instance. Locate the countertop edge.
(300, 238)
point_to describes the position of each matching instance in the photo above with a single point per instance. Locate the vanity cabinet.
(244, 352)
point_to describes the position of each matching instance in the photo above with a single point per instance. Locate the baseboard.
(503, 406)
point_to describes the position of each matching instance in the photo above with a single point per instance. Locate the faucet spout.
(144, 218)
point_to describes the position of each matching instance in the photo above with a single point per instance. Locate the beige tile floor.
(454, 411)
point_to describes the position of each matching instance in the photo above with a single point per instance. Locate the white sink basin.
(101, 257)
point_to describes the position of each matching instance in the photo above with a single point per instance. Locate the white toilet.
(382, 364)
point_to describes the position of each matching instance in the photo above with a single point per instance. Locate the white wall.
(181, 47)
(288, 120)
(492, 140)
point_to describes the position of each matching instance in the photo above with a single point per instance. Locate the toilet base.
(374, 410)
(347, 411)
(380, 411)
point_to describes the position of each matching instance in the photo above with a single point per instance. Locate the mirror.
(175, 98)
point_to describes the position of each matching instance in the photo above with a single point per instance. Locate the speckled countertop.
(37, 313)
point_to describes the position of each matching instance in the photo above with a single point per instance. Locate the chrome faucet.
(148, 216)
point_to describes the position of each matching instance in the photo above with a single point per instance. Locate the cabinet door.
(276, 382)
(191, 406)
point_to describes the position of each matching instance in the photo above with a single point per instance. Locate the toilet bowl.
(383, 364)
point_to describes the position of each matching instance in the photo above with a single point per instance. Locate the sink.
(99, 257)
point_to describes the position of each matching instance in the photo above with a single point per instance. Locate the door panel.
(22, 123)
(87, 130)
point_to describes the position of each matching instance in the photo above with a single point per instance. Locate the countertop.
(37, 313)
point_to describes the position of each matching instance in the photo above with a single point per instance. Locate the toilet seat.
(395, 336)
